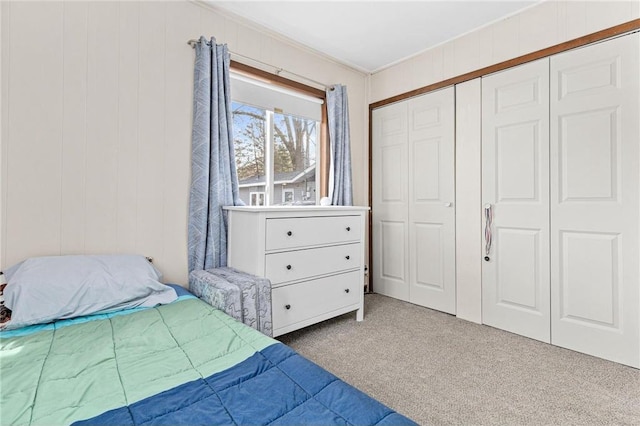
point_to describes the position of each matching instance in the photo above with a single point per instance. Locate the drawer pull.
(347, 257)
(287, 307)
(289, 233)
(348, 228)
(346, 290)
(289, 267)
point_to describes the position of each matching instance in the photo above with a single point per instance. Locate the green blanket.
(76, 372)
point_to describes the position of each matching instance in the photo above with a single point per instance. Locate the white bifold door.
(561, 192)
(413, 200)
(595, 189)
(515, 193)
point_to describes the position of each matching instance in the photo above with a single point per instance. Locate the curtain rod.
(193, 42)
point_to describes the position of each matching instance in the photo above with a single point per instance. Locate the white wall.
(469, 236)
(96, 123)
(543, 25)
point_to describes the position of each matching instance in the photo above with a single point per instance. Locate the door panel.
(516, 163)
(587, 257)
(515, 184)
(431, 137)
(413, 194)
(429, 246)
(392, 180)
(587, 147)
(426, 169)
(517, 278)
(595, 271)
(390, 263)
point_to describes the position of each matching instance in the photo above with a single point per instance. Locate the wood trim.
(543, 53)
(626, 27)
(325, 153)
(370, 266)
(274, 79)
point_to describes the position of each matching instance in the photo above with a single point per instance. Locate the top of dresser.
(295, 209)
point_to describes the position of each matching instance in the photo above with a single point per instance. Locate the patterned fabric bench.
(245, 297)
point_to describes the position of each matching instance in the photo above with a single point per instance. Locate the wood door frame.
(627, 27)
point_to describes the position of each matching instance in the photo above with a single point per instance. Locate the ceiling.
(372, 35)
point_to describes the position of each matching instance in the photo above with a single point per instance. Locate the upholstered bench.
(245, 297)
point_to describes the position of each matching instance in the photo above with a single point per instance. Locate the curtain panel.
(340, 186)
(214, 180)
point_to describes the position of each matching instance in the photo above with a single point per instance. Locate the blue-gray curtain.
(214, 181)
(340, 169)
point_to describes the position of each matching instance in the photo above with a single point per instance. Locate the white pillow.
(45, 289)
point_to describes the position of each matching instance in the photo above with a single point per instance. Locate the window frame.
(323, 151)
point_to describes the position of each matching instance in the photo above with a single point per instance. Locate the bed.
(183, 362)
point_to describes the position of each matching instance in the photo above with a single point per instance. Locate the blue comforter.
(182, 363)
(274, 386)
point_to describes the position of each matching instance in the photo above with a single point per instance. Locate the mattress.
(181, 363)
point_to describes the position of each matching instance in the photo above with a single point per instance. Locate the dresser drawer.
(300, 264)
(308, 299)
(311, 231)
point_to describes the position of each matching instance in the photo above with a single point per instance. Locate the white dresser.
(314, 257)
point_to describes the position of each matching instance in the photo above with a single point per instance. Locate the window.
(288, 196)
(275, 147)
(256, 198)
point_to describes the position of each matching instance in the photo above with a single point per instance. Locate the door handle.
(488, 237)
(448, 204)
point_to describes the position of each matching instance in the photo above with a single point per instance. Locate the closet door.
(515, 192)
(413, 193)
(390, 188)
(431, 135)
(594, 200)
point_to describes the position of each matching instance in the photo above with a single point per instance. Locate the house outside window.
(275, 148)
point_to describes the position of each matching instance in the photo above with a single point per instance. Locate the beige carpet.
(437, 369)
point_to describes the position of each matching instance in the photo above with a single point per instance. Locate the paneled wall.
(546, 24)
(96, 123)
